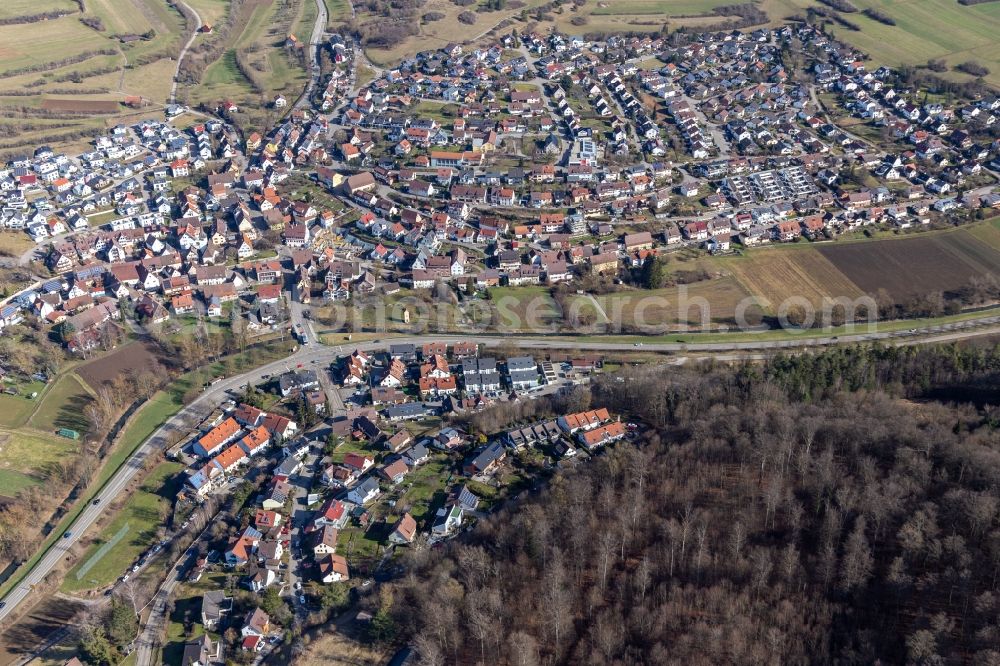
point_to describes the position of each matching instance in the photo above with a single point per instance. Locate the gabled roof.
(336, 564)
(406, 527)
(587, 419)
(394, 469)
(604, 433)
(257, 438)
(219, 434)
(231, 456)
(327, 536)
(358, 461)
(257, 620)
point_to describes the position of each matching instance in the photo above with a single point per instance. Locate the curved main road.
(216, 394)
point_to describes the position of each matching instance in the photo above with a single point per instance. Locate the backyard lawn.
(426, 488)
(187, 613)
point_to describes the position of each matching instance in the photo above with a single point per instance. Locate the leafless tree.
(523, 649)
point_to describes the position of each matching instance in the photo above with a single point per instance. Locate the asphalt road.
(148, 642)
(319, 354)
(180, 56)
(315, 40)
(302, 482)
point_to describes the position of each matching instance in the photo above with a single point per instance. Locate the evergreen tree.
(122, 626)
(654, 273)
(97, 650)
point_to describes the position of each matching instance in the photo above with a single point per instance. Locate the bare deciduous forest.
(834, 508)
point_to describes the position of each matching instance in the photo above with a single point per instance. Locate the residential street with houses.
(303, 482)
(149, 641)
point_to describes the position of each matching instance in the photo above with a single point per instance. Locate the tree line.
(56, 64)
(33, 18)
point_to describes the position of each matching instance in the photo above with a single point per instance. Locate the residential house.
(364, 492)
(487, 459)
(333, 569)
(325, 541)
(242, 548)
(405, 530)
(395, 471)
(214, 606)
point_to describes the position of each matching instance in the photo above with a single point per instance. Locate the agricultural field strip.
(913, 265)
(776, 274)
(656, 7)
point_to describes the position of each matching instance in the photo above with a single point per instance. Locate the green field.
(28, 443)
(15, 409)
(534, 308)
(615, 16)
(523, 307)
(14, 482)
(337, 11)
(212, 12)
(988, 233)
(929, 29)
(61, 38)
(265, 32)
(62, 405)
(435, 110)
(25, 456)
(302, 27)
(29, 7)
(713, 301)
(437, 34)
(133, 530)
